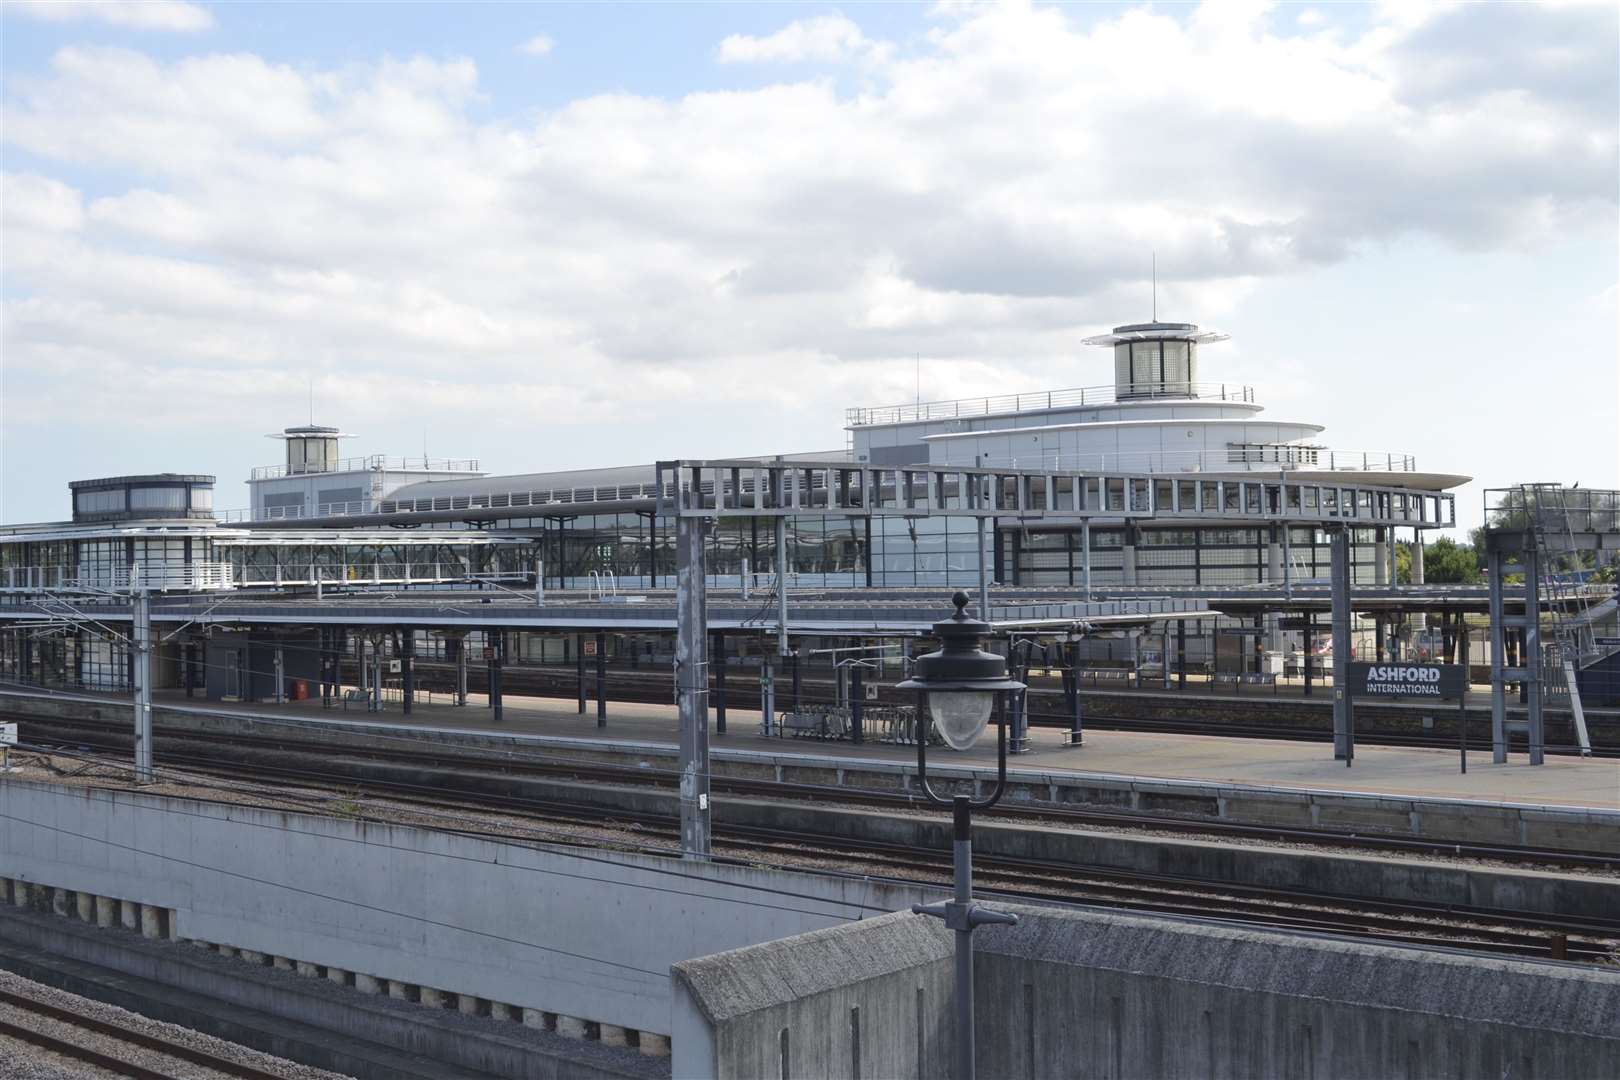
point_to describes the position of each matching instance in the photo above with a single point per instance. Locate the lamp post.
(958, 686)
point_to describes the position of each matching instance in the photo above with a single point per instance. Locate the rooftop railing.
(373, 462)
(296, 512)
(1078, 397)
(1245, 457)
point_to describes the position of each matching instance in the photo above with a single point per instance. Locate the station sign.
(590, 646)
(489, 652)
(1432, 681)
(8, 734)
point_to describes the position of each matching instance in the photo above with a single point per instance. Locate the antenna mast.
(1155, 286)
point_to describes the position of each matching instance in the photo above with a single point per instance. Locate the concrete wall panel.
(1076, 994)
(589, 936)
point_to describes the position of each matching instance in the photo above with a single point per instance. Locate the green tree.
(1446, 562)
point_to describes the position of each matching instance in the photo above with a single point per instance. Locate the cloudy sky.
(555, 236)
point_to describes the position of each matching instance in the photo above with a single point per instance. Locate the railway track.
(458, 767)
(1430, 925)
(52, 1027)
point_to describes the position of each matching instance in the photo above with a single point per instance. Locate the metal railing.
(223, 576)
(371, 462)
(1076, 397)
(1243, 457)
(361, 572)
(507, 499)
(189, 577)
(296, 512)
(1553, 509)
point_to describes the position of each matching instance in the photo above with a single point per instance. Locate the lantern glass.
(960, 715)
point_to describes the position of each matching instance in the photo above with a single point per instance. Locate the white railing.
(1078, 397)
(220, 576)
(372, 462)
(1242, 458)
(195, 577)
(296, 513)
(507, 499)
(373, 572)
(36, 578)
(177, 577)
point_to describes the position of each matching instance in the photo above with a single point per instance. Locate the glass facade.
(99, 502)
(157, 498)
(1143, 368)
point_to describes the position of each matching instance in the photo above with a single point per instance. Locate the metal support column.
(1343, 735)
(1018, 702)
(798, 684)
(579, 669)
(781, 587)
(376, 674)
(984, 570)
(1181, 654)
(1531, 658)
(1164, 658)
(460, 644)
(496, 663)
(767, 695)
(601, 680)
(323, 663)
(857, 704)
(1287, 564)
(1493, 577)
(190, 665)
(718, 655)
(407, 669)
(691, 686)
(141, 653)
(280, 686)
(1085, 555)
(1076, 717)
(1308, 650)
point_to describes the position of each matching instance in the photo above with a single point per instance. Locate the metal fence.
(1076, 397)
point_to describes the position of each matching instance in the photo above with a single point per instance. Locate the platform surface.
(1565, 780)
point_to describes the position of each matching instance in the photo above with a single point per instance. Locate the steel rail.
(1453, 926)
(145, 1040)
(442, 758)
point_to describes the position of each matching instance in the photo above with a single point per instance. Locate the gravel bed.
(152, 1059)
(25, 1061)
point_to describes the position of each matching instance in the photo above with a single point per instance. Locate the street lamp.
(958, 686)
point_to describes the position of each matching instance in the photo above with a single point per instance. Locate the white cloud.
(539, 45)
(991, 195)
(824, 39)
(132, 14)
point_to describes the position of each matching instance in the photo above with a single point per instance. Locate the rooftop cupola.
(1156, 359)
(311, 448)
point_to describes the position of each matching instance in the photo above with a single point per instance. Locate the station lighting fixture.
(956, 688)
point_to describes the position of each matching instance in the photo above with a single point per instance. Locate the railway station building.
(1189, 491)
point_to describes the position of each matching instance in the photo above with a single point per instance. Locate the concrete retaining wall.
(309, 1019)
(1079, 994)
(587, 936)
